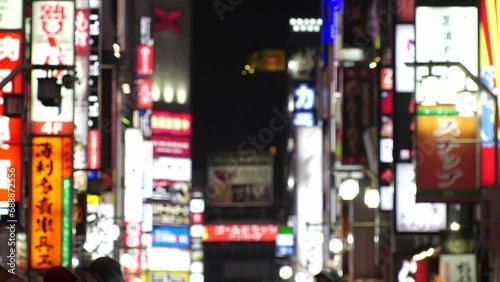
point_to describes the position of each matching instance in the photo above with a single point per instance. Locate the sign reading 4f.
(304, 98)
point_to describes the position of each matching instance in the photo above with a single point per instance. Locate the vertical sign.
(385, 137)
(458, 267)
(94, 68)
(48, 169)
(356, 114)
(446, 151)
(304, 103)
(11, 15)
(489, 63)
(309, 169)
(53, 43)
(10, 127)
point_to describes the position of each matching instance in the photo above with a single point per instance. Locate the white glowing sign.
(53, 43)
(310, 190)
(11, 14)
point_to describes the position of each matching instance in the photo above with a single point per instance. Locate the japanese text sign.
(240, 233)
(82, 32)
(11, 44)
(51, 161)
(11, 14)
(145, 60)
(53, 43)
(171, 123)
(458, 267)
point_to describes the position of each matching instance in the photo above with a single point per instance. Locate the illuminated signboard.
(94, 149)
(240, 233)
(171, 123)
(51, 199)
(94, 69)
(460, 267)
(53, 43)
(404, 53)
(144, 98)
(172, 146)
(304, 103)
(168, 214)
(10, 133)
(171, 236)
(11, 14)
(413, 217)
(82, 32)
(144, 60)
(446, 171)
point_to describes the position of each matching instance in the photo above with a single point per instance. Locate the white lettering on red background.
(52, 18)
(449, 171)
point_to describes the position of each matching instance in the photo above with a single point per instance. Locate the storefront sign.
(166, 276)
(458, 267)
(446, 163)
(174, 169)
(11, 14)
(169, 214)
(144, 60)
(53, 43)
(82, 32)
(51, 202)
(171, 123)
(171, 236)
(172, 146)
(304, 103)
(144, 98)
(94, 70)
(386, 79)
(240, 233)
(94, 149)
(404, 53)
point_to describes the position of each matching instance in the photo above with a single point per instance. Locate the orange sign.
(386, 79)
(46, 200)
(240, 233)
(447, 153)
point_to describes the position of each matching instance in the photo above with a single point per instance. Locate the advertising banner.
(174, 192)
(447, 155)
(489, 63)
(458, 267)
(10, 133)
(240, 233)
(169, 214)
(82, 32)
(309, 168)
(171, 123)
(171, 236)
(53, 43)
(11, 14)
(356, 114)
(404, 53)
(165, 276)
(236, 179)
(51, 197)
(172, 146)
(413, 217)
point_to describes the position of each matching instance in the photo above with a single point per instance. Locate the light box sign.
(236, 179)
(172, 146)
(413, 217)
(461, 267)
(94, 149)
(94, 70)
(165, 276)
(171, 123)
(82, 32)
(304, 94)
(240, 233)
(53, 43)
(447, 165)
(10, 133)
(171, 236)
(175, 169)
(145, 60)
(284, 242)
(51, 199)
(404, 53)
(489, 64)
(11, 14)
(144, 98)
(169, 214)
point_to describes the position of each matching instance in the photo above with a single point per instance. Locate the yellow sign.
(270, 60)
(165, 276)
(46, 202)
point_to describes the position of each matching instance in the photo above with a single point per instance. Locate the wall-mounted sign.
(386, 79)
(174, 192)
(94, 149)
(82, 32)
(11, 14)
(172, 146)
(144, 88)
(447, 166)
(144, 60)
(458, 267)
(165, 276)
(175, 169)
(51, 200)
(285, 242)
(304, 103)
(171, 236)
(171, 123)
(53, 43)
(412, 217)
(94, 109)
(240, 233)
(404, 53)
(170, 214)
(240, 180)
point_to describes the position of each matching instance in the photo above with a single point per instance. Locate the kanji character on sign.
(45, 185)
(44, 260)
(44, 225)
(9, 48)
(44, 149)
(43, 244)
(52, 18)
(45, 166)
(44, 206)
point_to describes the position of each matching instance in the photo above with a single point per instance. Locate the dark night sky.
(228, 107)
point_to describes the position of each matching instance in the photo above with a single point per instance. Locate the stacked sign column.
(53, 44)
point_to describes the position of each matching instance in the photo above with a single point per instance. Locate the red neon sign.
(241, 233)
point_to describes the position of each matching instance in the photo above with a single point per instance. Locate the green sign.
(66, 222)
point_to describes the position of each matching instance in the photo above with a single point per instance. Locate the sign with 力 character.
(51, 202)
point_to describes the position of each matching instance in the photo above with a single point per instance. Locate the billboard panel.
(309, 168)
(51, 202)
(240, 233)
(11, 14)
(53, 43)
(236, 179)
(404, 53)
